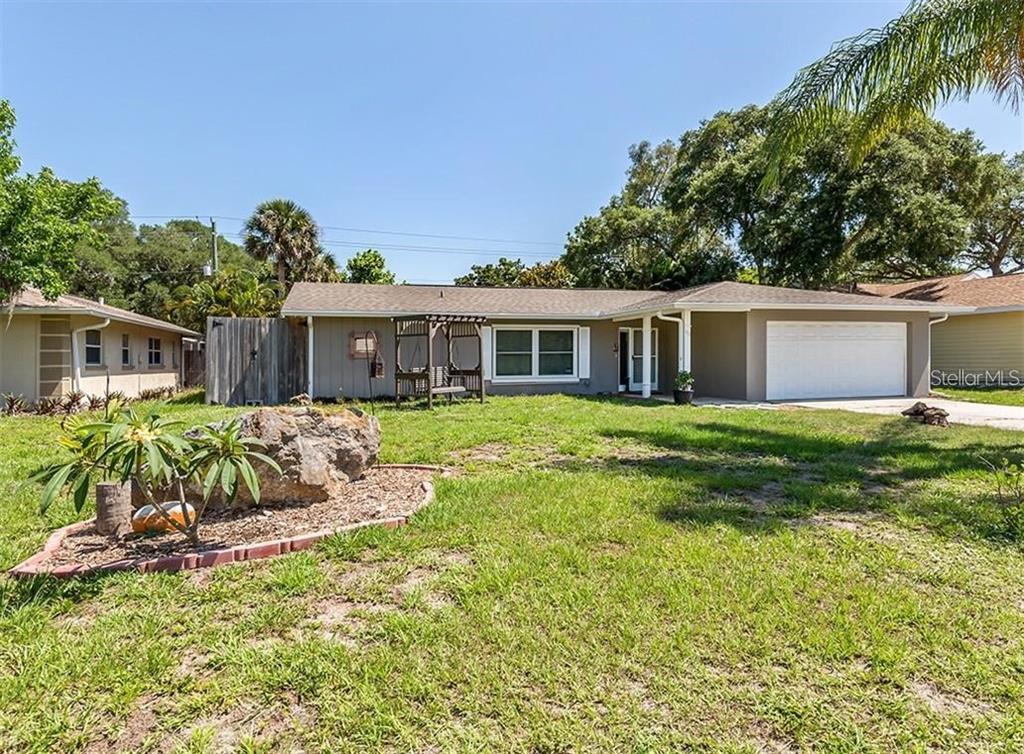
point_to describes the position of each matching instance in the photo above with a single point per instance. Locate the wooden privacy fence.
(254, 360)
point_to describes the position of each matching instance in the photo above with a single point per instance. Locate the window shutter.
(485, 346)
(584, 351)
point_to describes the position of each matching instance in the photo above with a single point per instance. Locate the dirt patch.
(140, 726)
(855, 523)
(490, 452)
(944, 703)
(764, 497)
(340, 619)
(383, 493)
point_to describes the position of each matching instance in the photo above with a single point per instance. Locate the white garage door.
(836, 359)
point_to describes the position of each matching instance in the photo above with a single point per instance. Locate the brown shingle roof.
(393, 300)
(965, 290)
(32, 300)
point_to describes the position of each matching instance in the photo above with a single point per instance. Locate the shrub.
(72, 401)
(48, 406)
(156, 393)
(14, 404)
(154, 454)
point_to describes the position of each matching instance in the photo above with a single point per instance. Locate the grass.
(604, 576)
(1000, 396)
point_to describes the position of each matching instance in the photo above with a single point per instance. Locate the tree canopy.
(638, 241)
(368, 266)
(42, 220)
(512, 273)
(908, 210)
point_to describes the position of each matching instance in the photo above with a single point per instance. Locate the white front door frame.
(634, 344)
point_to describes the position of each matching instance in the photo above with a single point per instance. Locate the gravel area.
(383, 493)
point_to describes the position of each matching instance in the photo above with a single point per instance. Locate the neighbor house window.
(156, 354)
(541, 353)
(126, 350)
(93, 348)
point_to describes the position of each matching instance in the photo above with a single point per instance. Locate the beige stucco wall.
(757, 339)
(19, 358)
(137, 376)
(979, 343)
(19, 338)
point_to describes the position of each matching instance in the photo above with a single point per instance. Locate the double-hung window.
(126, 350)
(523, 354)
(156, 353)
(93, 348)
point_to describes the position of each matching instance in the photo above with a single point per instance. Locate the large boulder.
(318, 453)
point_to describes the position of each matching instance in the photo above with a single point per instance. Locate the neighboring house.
(48, 348)
(981, 346)
(740, 341)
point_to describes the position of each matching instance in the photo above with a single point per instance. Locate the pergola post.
(645, 355)
(430, 365)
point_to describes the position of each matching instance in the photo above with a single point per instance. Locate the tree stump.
(113, 508)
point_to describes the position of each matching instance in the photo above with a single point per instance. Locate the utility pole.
(213, 234)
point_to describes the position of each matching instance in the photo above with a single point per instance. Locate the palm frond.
(936, 52)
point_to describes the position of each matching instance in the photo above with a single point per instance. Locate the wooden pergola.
(449, 379)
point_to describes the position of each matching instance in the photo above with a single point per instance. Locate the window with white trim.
(93, 348)
(535, 353)
(155, 352)
(126, 350)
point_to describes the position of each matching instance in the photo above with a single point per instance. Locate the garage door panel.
(835, 359)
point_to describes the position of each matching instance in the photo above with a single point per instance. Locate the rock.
(921, 412)
(917, 409)
(318, 453)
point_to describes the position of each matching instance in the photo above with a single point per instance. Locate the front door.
(631, 363)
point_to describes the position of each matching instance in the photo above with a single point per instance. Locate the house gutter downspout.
(943, 318)
(76, 364)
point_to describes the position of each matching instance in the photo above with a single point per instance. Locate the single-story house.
(982, 345)
(48, 348)
(740, 341)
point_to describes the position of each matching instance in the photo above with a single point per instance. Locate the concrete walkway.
(960, 412)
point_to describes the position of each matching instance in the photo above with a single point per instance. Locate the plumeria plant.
(155, 455)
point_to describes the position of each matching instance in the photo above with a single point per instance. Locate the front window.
(541, 353)
(126, 350)
(93, 348)
(513, 353)
(156, 354)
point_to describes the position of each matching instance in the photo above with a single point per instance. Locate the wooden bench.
(441, 383)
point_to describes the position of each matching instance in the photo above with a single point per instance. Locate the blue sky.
(496, 121)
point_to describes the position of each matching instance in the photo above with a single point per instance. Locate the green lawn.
(1001, 396)
(603, 576)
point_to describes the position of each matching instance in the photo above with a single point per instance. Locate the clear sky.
(488, 120)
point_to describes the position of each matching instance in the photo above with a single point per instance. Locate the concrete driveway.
(960, 412)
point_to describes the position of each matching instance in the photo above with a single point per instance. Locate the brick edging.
(33, 566)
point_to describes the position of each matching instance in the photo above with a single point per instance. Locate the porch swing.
(448, 380)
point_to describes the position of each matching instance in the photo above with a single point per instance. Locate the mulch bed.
(387, 494)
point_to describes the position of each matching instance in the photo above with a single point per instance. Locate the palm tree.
(282, 231)
(230, 293)
(884, 79)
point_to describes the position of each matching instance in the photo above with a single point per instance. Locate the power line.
(367, 230)
(421, 249)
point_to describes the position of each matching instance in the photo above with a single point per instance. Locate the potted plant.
(682, 389)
